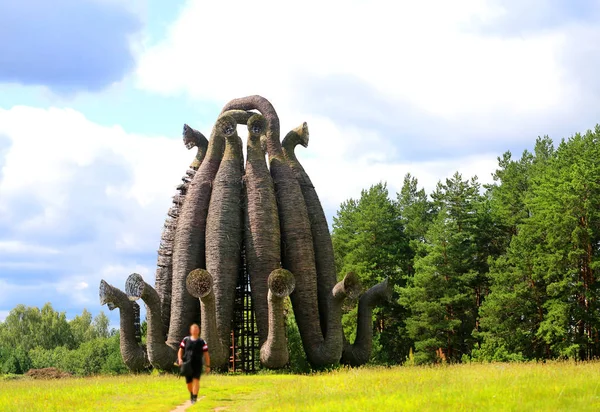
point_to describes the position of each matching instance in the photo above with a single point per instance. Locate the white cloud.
(444, 83)
(3, 315)
(419, 52)
(79, 202)
(338, 176)
(401, 50)
(57, 157)
(454, 78)
(116, 274)
(17, 247)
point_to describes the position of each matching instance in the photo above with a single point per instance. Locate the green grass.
(122, 393)
(476, 387)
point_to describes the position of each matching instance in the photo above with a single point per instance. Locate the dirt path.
(183, 407)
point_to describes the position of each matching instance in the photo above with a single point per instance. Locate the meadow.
(555, 386)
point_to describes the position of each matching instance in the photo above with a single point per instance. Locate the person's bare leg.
(190, 387)
(196, 387)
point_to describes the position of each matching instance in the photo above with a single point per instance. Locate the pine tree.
(450, 273)
(566, 207)
(507, 194)
(368, 236)
(415, 211)
(544, 295)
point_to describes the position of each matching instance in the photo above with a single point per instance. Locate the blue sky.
(93, 95)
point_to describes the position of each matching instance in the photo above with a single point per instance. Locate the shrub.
(298, 361)
(494, 351)
(14, 361)
(100, 355)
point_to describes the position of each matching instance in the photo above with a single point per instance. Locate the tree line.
(40, 338)
(507, 271)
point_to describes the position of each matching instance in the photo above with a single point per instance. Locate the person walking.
(192, 351)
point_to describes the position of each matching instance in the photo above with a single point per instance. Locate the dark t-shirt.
(193, 350)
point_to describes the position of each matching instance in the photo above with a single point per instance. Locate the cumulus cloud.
(414, 51)
(79, 202)
(17, 247)
(66, 45)
(430, 78)
(399, 86)
(337, 174)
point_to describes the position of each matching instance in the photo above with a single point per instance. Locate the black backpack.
(185, 369)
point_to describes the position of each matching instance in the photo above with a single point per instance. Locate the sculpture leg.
(331, 351)
(199, 284)
(324, 256)
(359, 352)
(133, 355)
(224, 234)
(274, 352)
(261, 236)
(160, 355)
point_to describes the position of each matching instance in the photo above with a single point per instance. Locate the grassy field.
(491, 387)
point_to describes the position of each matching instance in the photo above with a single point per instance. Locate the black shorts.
(195, 375)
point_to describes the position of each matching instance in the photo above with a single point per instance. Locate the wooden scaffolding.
(244, 349)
